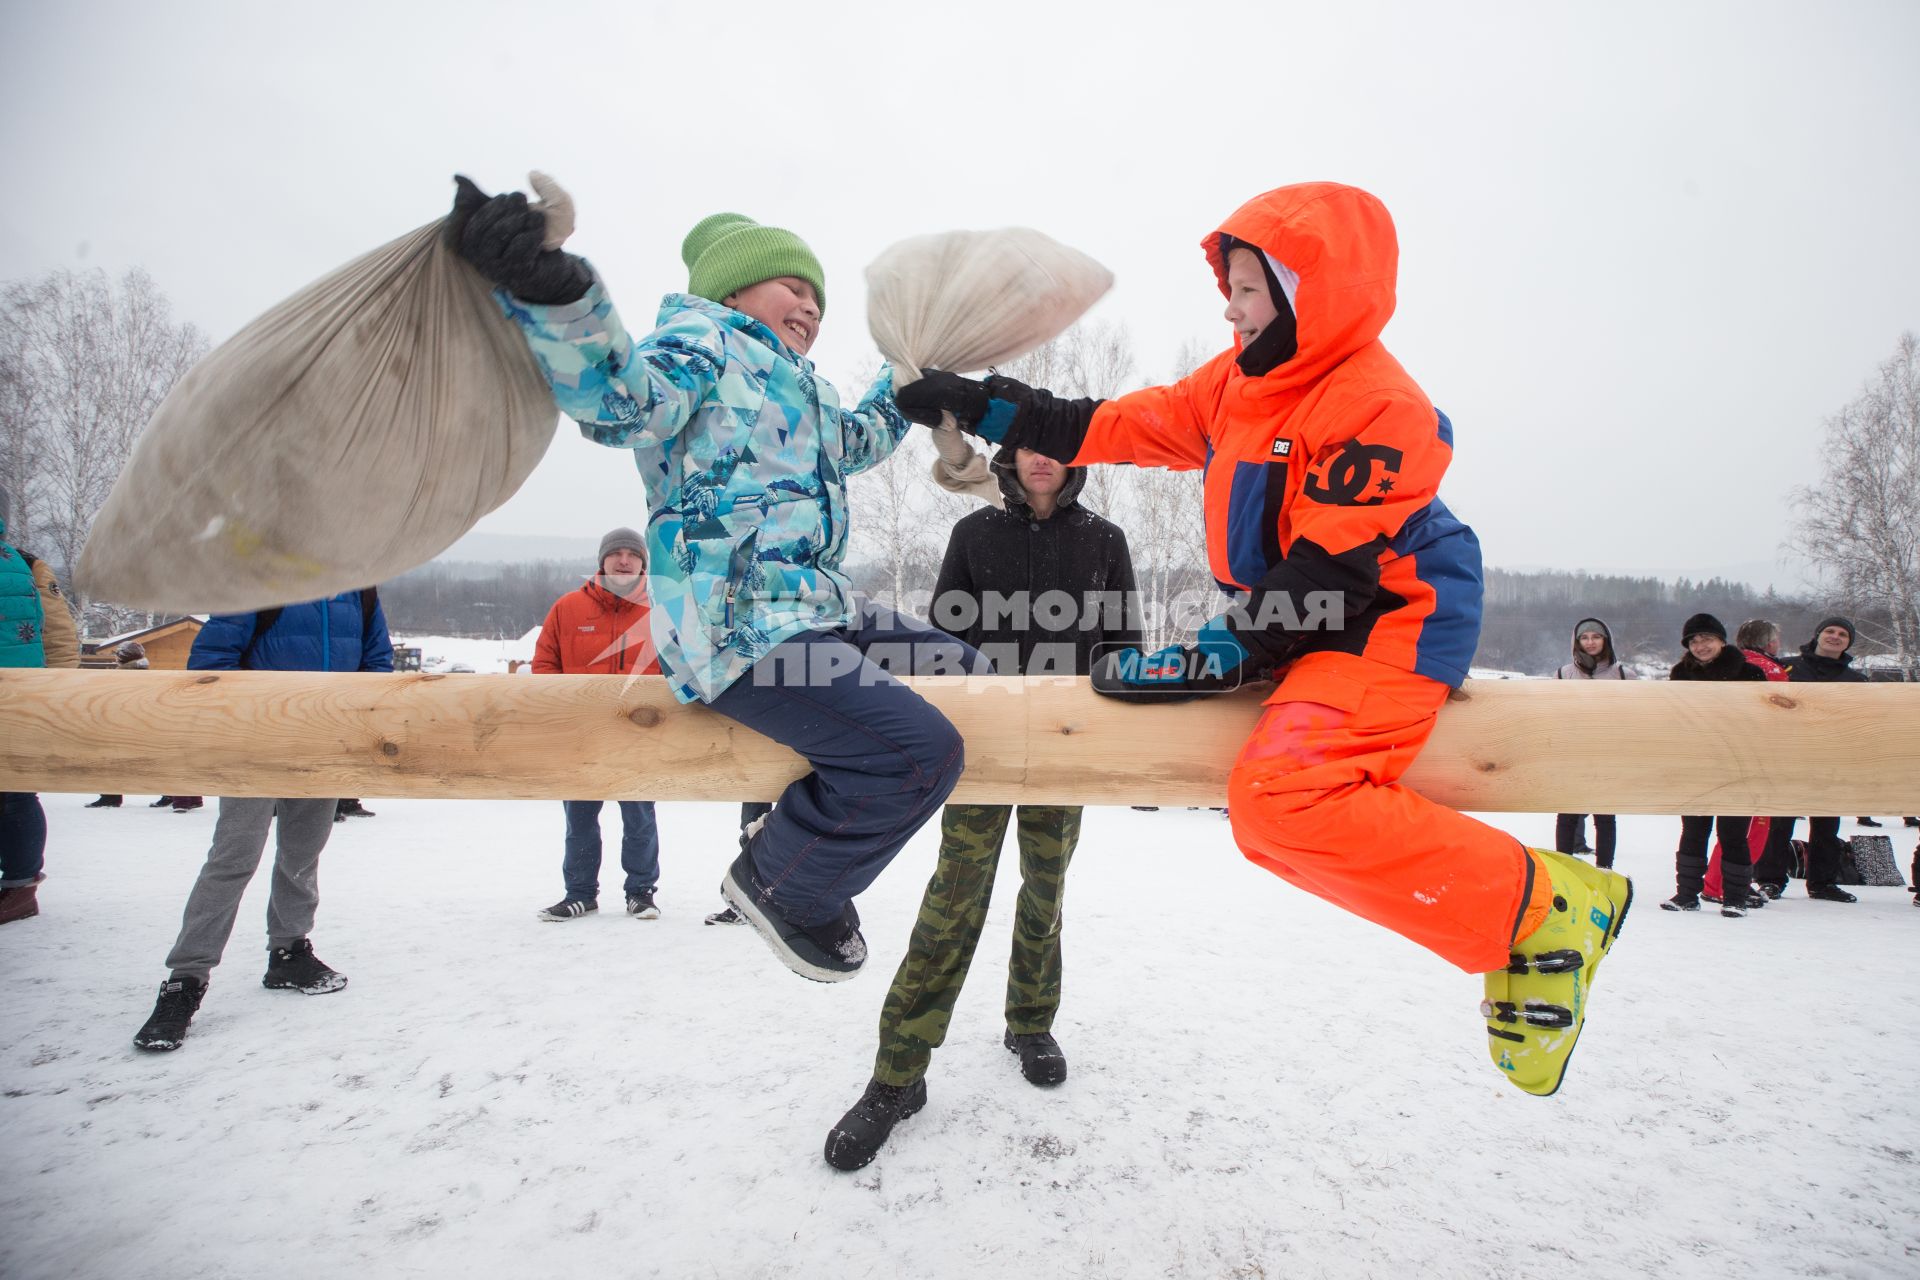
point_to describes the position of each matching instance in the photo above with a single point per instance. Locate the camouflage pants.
(913, 1022)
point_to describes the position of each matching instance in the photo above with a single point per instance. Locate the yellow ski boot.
(1536, 1006)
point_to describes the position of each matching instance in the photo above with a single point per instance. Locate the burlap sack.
(349, 434)
(965, 301)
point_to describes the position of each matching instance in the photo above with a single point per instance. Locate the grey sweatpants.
(239, 838)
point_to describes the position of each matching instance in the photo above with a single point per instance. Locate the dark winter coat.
(320, 635)
(1809, 666)
(1009, 556)
(1730, 664)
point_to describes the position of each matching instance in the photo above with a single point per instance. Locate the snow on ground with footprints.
(1260, 1085)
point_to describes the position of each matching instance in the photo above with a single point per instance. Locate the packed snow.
(1261, 1085)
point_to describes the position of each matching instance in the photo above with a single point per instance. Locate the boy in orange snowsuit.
(1354, 587)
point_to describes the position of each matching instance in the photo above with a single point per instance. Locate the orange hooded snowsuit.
(1322, 474)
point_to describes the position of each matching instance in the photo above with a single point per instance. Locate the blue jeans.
(23, 838)
(884, 759)
(639, 848)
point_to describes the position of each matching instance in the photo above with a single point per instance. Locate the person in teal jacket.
(23, 823)
(745, 451)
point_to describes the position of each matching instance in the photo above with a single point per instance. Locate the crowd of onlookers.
(1753, 858)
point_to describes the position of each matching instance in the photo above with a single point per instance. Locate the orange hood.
(1339, 241)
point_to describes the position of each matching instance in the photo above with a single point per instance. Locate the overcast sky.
(1645, 248)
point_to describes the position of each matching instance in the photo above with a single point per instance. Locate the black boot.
(296, 968)
(167, 1027)
(353, 809)
(104, 802)
(1829, 893)
(857, 1139)
(1041, 1060)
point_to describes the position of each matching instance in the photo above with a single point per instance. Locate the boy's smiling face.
(1249, 305)
(785, 304)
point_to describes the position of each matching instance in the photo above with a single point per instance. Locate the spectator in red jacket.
(602, 629)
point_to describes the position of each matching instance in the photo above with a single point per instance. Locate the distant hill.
(514, 548)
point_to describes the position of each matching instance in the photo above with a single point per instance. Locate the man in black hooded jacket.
(1821, 660)
(1036, 588)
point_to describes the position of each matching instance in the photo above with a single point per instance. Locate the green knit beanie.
(728, 252)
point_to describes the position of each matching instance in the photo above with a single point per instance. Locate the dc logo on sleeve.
(1283, 448)
(1359, 475)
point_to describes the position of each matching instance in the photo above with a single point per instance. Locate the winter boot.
(641, 905)
(1829, 893)
(296, 968)
(353, 809)
(568, 909)
(164, 802)
(729, 916)
(19, 901)
(187, 804)
(1536, 1006)
(1681, 902)
(167, 1027)
(829, 952)
(1041, 1060)
(104, 802)
(857, 1139)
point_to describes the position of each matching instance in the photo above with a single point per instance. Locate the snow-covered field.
(1261, 1086)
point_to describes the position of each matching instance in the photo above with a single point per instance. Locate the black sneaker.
(729, 916)
(641, 905)
(164, 802)
(831, 952)
(167, 1027)
(296, 968)
(1773, 891)
(104, 802)
(1041, 1060)
(1732, 911)
(1681, 902)
(857, 1139)
(568, 909)
(1829, 893)
(1910, 822)
(1869, 822)
(353, 809)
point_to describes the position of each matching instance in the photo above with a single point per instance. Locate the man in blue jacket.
(346, 632)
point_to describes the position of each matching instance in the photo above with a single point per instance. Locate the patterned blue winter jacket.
(320, 635)
(745, 455)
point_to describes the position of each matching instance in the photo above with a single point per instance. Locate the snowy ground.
(1261, 1086)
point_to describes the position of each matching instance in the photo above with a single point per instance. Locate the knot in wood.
(645, 717)
(389, 748)
(1488, 766)
(208, 680)
(1782, 700)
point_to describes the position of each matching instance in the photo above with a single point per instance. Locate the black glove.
(504, 239)
(1214, 663)
(937, 392)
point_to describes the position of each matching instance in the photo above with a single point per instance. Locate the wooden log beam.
(1516, 746)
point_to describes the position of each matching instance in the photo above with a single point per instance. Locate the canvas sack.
(344, 437)
(965, 301)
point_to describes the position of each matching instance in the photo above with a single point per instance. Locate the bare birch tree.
(1861, 522)
(84, 362)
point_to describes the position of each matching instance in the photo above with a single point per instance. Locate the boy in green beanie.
(745, 452)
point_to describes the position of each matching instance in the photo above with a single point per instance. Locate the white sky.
(1646, 248)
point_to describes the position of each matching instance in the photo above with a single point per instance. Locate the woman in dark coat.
(1710, 657)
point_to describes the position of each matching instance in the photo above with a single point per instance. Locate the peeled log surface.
(1517, 746)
